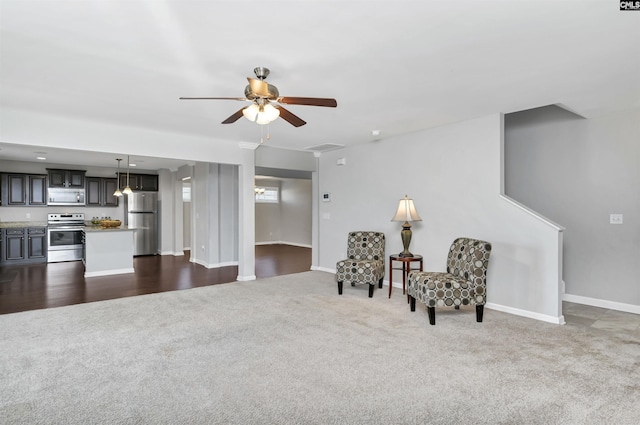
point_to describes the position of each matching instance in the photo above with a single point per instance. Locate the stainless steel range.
(66, 239)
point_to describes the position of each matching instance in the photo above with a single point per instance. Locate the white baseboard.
(595, 302)
(109, 272)
(497, 307)
(246, 278)
(526, 313)
(175, 254)
(323, 269)
(214, 265)
(301, 245)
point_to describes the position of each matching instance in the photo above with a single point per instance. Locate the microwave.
(65, 196)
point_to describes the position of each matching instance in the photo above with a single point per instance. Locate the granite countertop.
(17, 224)
(87, 228)
(94, 229)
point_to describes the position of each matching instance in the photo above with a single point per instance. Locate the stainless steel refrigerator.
(142, 214)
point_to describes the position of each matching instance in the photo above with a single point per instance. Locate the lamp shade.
(271, 113)
(251, 112)
(406, 211)
(261, 114)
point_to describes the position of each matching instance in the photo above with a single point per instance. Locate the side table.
(406, 268)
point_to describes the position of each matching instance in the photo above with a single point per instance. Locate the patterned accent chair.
(464, 283)
(365, 261)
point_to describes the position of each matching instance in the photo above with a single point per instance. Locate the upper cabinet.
(142, 182)
(66, 178)
(23, 189)
(100, 192)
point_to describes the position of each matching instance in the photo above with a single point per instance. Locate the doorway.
(283, 225)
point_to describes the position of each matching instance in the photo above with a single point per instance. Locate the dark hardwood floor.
(38, 286)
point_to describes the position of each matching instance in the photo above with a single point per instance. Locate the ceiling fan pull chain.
(261, 134)
(269, 131)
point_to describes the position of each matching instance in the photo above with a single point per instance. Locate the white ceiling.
(394, 66)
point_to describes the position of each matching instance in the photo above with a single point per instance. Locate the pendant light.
(117, 192)
(127, 190)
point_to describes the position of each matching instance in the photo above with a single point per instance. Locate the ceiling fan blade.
(259, 88)
(292, 119)
(213, 98)
(233, 118)
(311, 101)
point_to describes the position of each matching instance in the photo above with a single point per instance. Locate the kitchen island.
(108, 250)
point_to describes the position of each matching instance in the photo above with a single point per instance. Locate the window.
(266, 194)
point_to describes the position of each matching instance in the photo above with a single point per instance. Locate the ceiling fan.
(266, 102)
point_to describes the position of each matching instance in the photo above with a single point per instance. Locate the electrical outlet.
(615, 219)
(28, 215)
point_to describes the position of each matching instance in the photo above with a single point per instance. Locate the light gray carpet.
(290, 350)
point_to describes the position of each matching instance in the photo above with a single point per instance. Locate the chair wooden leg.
(457, 307)
(432, 315)
(339, 288)
(479, 312)
(412, 303)
(380, 283)
(371, 287)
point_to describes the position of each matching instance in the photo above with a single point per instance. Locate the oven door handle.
(66, 227)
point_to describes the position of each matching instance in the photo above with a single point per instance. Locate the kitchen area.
(53, 215)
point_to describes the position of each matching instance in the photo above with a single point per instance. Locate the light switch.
(615, 219)
(326, 216)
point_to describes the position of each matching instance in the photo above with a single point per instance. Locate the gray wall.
(214, 204)
(186, 225)
(296, 211)
(454, 175)
(577, 172)
(268, 222)
(291, 220)
(288, 221)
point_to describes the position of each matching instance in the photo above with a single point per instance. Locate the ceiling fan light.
(262, 119)
(270, 112)
(251, 112)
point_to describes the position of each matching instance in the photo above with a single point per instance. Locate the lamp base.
(406, 239)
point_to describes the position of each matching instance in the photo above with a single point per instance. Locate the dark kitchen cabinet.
(37, 189)
(142, 182)
(100, 190)
(24, 245)
(14, 189)
(14, 247)
(66, 178)
(109, 185)
(93, 191)
(37, 243)
(23, 189)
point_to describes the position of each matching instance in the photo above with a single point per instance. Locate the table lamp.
(407, 213)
